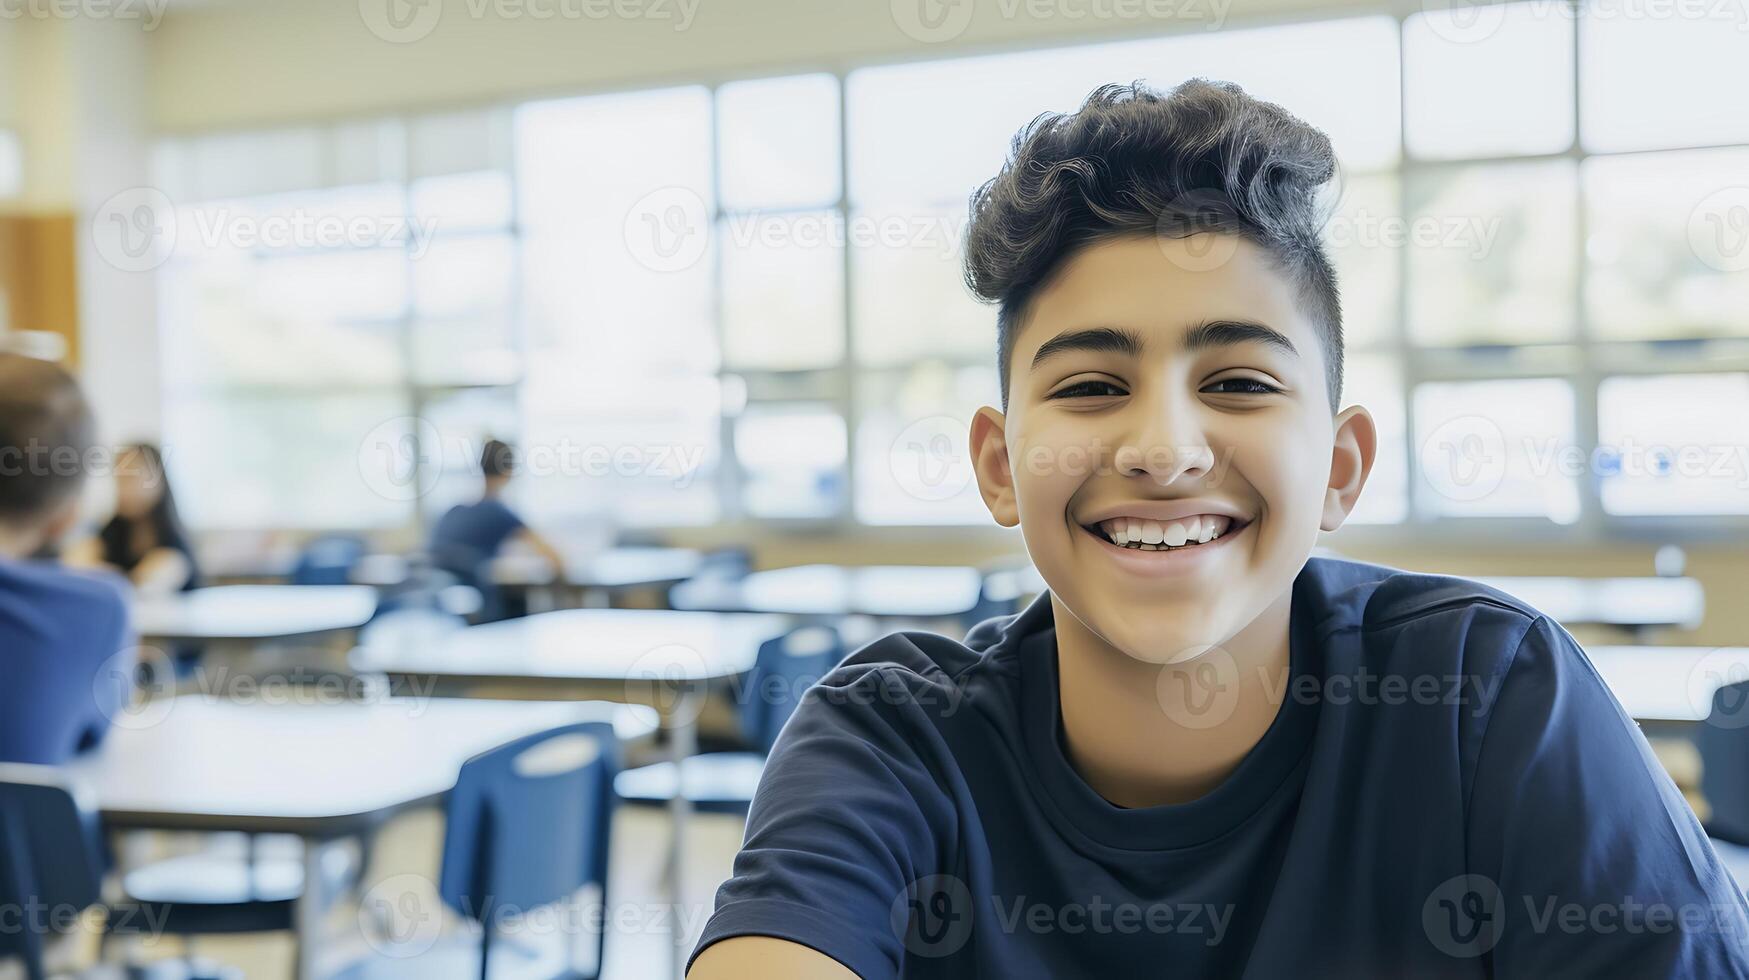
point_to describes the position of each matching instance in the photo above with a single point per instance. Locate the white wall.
(242, 63)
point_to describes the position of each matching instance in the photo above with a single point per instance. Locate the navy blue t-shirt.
(1448, 790)
(471, 534)
(66, 659)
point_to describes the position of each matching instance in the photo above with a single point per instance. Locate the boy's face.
(1122, 410)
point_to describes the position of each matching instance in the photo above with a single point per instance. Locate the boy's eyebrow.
(1207, 334)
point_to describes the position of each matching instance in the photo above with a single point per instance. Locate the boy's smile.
(1168, 448)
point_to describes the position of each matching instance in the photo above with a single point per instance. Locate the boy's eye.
(1244, 386)
(1088, 389)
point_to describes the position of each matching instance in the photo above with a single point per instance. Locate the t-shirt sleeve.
(1585, 859)
(839, 829)
(114, 651)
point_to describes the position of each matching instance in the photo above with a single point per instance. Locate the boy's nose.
(1165, 444)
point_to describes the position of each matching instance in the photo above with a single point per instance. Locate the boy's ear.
(1351, 459)
(61, 520)
(989, 445)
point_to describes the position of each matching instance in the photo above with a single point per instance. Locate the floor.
(392, 922)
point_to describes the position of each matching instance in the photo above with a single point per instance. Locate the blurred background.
(698, 261)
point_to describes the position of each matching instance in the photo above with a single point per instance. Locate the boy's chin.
(1160, 642)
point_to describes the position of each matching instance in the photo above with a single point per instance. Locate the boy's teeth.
(1157, 535)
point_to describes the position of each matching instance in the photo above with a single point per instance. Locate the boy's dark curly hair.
(1204, 157)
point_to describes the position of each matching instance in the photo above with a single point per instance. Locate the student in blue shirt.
(66, 654)
(1205, 752)
(470, 535)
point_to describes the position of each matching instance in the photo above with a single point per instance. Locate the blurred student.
(471, 535)
(65, 660)
(145, 540)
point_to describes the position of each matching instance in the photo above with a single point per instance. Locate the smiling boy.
(1204, 752)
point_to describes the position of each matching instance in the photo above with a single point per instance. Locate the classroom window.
(701, 279)
(1673, 444)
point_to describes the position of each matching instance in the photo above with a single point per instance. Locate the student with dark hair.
(1204, 751)
(470, 535)
(145, 539)
(66, 657)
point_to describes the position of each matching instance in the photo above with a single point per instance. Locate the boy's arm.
(1585, 859)
(763, 956)
(847, 817)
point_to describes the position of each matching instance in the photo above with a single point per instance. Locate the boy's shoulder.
(50, 589)
(1426, 615)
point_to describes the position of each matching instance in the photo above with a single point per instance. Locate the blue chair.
(1723, 741)
(998, 595)
(51, 856)
(723, 782)
(528, 825)
(328, 560)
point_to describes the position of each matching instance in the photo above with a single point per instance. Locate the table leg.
(682, 744)
(311, 910)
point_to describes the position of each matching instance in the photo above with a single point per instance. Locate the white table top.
(254, 612)
(317, 769)
(921, 591)
(1669, 683)
(615, 568)
(598, 645)
(1648, 601)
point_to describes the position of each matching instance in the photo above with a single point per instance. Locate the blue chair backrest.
(528, 822)
(1723, 741)
(998, 595)
(328, 560)
(51, 855)
(786, 667)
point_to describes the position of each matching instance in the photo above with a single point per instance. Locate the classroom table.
(1669, 684)
(893, 591)
(320, 771)
(602, 573)
(253, 613)
(648, 656)
(1635, 605)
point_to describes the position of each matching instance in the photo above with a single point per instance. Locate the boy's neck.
(1145, 734)
(18, 542)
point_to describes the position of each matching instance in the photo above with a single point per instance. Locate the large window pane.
(908, 296)
(1669, 244)
(1492, 80)
(778, 142)
(1494, 263)
(1674, 444)
(1366, 237)
(1494, 449)
(966, 110)
(463, 332)
(912, 461)
(294, 460)
(1669, 81)
(783, 290)
(792, 460)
